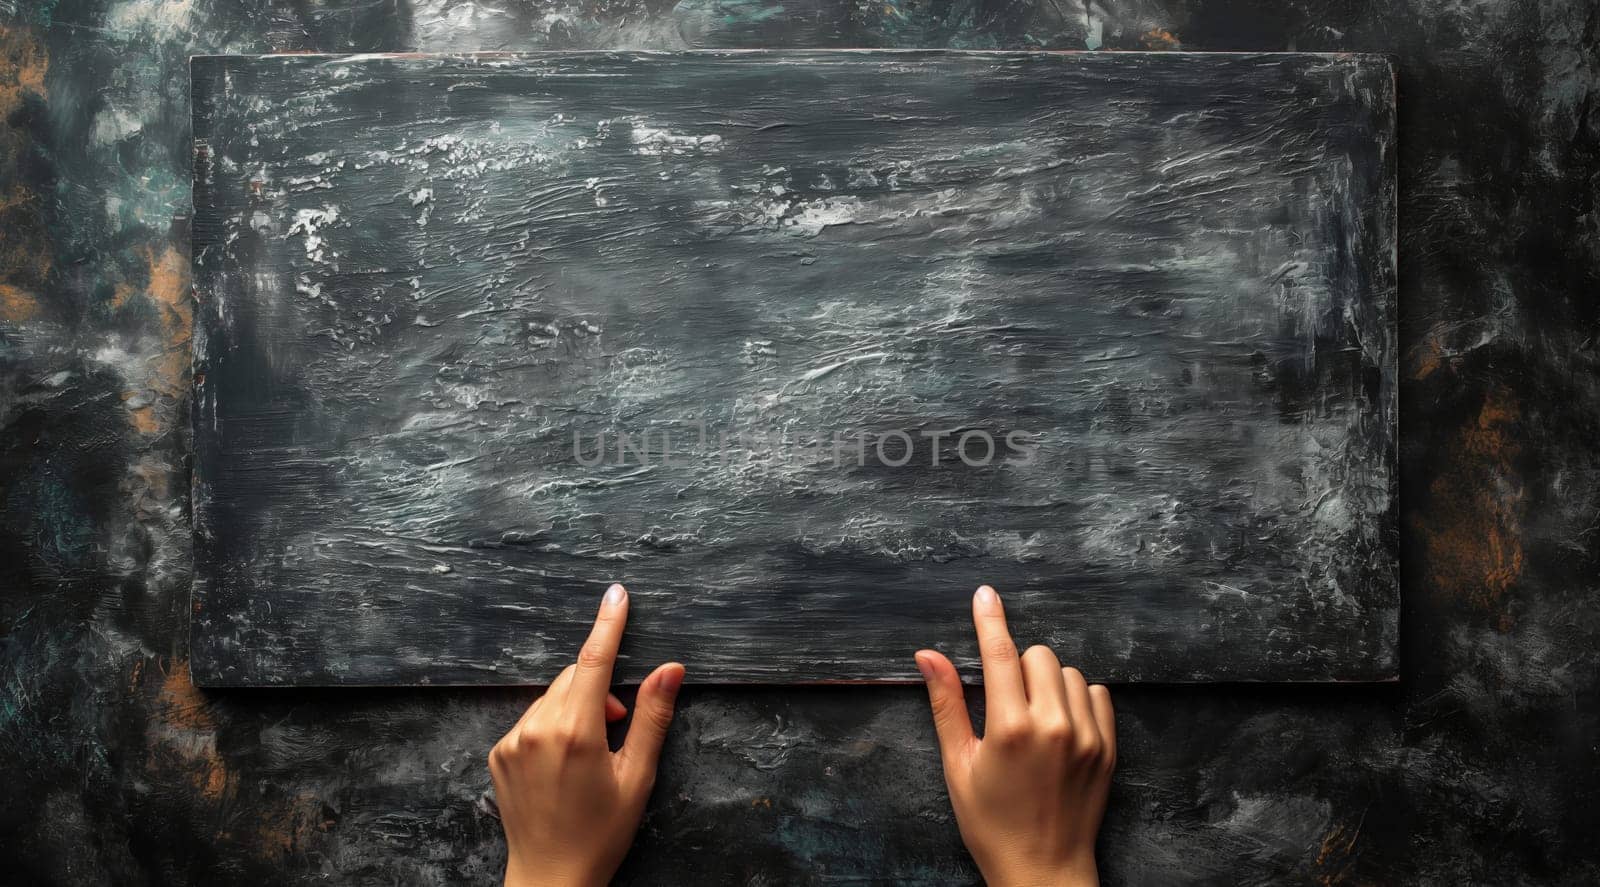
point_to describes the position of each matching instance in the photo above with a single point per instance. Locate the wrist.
(1077, 873)
(546, 879)
(518, 875)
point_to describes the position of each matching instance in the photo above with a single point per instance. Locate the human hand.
(1030, 794)
(569, 805)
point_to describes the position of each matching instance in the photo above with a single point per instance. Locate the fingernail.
(615, 595)
(924, 666)
(986, 596)
(672, 679)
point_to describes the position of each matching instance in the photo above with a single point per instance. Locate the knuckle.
(1056, 732)
(1086, 749)
(574, 741)
(569, 737)
(1007, 734)
(592, 655)
(1000, 649)
(529, 737)
(507, 749)
(1072, 675)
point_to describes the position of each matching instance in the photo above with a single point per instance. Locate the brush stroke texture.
(421, 277)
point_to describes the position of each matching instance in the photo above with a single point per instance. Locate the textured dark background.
(1480, 766)
(1175, 270)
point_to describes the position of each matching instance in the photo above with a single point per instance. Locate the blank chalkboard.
(802, 347)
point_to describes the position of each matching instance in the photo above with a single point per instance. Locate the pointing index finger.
(591, 679)
(1002, 669)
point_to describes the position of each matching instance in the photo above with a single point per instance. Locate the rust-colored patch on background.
(184, 731)
(17, 305)
(1473, 525)
(180, 704)
(168, 290)
(143, 418)
(140, 413)
(283, 830)
(152, 406)
(23, 65)
(1336, 855)
(1160, 38)
(1426, 358)
(121, 293)
(25, 253)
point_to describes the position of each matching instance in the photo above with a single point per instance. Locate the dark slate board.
(422, 278)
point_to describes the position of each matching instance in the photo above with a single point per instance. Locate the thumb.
(949, 704)
(652, 715)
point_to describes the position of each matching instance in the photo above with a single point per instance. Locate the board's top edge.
(1380, 64)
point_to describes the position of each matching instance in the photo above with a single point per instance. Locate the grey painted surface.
(1115, 334)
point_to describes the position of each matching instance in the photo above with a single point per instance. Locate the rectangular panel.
(802, 346)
